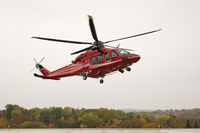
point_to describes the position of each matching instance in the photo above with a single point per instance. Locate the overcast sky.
(166, 77)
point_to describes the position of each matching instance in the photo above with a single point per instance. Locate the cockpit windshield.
(122, 52)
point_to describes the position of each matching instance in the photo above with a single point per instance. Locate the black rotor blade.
(82, 50)
(120, 48)
(58, 40)
(92, 28)
(133, 36)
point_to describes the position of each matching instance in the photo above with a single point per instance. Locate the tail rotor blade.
(41, 60)
(36, 63)
(35, 60)
(32, 69)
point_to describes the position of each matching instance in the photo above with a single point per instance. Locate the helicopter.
(96, 61)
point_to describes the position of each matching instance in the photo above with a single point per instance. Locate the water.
(99, 130)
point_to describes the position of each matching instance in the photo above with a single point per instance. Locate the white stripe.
(98, 65)
(78, 67)
(66, 70)
(60, 73)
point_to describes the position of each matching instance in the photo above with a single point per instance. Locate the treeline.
(195, 113)
(15, 116)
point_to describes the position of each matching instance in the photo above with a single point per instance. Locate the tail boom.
(45, 77)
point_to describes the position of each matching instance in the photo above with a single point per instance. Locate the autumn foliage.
(15, 116)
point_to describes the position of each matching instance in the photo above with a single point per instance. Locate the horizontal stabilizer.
(44, 77)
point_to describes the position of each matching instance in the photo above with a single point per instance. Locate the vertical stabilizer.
(43, 70)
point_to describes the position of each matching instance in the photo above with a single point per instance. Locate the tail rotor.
(37, 64)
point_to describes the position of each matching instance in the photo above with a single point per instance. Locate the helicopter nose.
(135, 58)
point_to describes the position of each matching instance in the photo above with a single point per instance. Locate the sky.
(166, 77)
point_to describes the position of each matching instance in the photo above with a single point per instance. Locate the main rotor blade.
(121, 48)
(92, 28)
(58, 40)
(133, 36)
(82, 50)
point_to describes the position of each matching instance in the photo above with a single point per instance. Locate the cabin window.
(107, 56)
(93, 60)
(96, 59)
(113, 54)
(99, 58)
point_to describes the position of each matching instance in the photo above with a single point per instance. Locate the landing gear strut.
(84, 74)
(128, 69)
(84, 77)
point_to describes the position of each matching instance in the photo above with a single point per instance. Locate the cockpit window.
(122, 52)
(113, 54)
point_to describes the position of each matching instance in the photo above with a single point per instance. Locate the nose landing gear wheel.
(101, 81)
(128, 69)
(84, 77)
(121, 70)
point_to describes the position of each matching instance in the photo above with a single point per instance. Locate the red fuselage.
(94, 64)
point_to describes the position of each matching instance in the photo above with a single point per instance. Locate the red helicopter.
(97, 61)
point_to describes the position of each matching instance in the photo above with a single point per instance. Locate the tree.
(55, 116)
(196, 125)
(9, 109)
(45, 116)
(90, 119)
(114, 123)
(180, 122)
(146, 118)
(151, 125)
(68, 117)
(3, 123)
(34, 114)
(71, 122)
(56, 112)
(137, 123)
(127, 124)
(29, 124)
(67, 112)
(188, 125)
(17, 117)
(165, 121)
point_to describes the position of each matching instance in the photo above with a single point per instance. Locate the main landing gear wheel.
(84, 77)
(101, 81)
(121, 71)
(128, 69)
